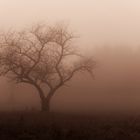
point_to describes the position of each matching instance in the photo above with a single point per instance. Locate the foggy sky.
(98, 23)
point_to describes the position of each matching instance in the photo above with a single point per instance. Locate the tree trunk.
(45, 103)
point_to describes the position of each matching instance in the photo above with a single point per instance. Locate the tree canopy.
(43, 55)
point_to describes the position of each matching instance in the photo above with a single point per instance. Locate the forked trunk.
(45, 103)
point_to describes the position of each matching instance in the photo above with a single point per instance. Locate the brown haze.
(109, 31)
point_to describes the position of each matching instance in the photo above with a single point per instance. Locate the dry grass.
(41, 126)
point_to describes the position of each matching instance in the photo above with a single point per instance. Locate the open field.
(41, 126)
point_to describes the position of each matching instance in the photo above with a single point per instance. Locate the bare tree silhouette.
(42, 56)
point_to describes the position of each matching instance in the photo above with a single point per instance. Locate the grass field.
(58, 126)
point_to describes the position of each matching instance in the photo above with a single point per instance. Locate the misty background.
(108, 31)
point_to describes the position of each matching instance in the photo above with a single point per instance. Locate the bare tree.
(42, 56)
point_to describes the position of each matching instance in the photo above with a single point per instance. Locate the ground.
(60, 126)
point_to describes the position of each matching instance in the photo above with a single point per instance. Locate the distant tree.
(42, 56)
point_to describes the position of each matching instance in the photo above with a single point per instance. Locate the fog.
(108, 31)
(97, 22)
